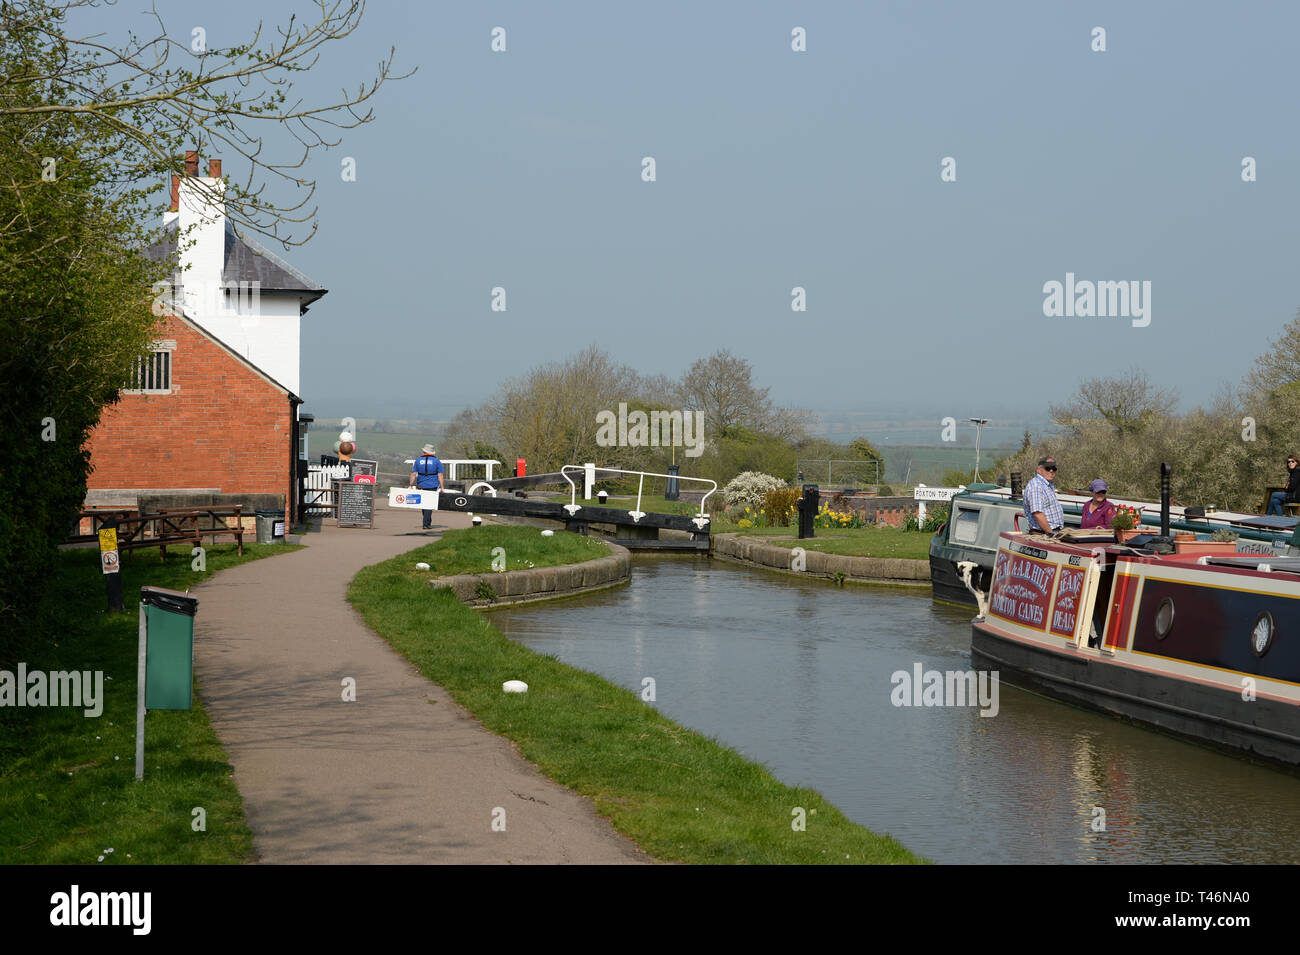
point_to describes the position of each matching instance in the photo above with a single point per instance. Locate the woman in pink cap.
(1098, 511)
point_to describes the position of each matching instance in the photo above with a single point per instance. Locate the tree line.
(1224, 454)
(559, 413)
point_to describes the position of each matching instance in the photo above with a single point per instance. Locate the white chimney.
(261, 324)
(202, 235)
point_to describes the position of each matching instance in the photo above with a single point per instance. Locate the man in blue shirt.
(427, 471)
(1042, 509)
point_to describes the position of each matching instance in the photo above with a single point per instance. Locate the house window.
(153, 373)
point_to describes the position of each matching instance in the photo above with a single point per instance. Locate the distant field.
(928, 463)
(376, 442)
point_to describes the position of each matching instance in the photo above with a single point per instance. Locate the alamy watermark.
(81, 688)
(923, 687)
(652, 429)
(1087, 299)
(242, 298)
(75, 907)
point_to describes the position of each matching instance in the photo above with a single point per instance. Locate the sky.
(775, 169)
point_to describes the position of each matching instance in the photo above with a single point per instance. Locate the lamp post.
(979, 424)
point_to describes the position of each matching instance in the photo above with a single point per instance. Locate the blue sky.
(818, 169)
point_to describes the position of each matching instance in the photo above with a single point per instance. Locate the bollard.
(808, 510)
(671, 490)
(602, 497)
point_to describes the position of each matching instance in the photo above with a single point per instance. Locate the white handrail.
(573, 506)
(450, 466)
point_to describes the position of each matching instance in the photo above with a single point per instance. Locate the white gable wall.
(264, 327)
(268, 335)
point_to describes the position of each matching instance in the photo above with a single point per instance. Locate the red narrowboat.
(1204, 645)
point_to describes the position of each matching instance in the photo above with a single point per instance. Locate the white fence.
(317, 491)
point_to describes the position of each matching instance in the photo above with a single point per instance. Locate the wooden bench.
(168, 526)
(173, 525)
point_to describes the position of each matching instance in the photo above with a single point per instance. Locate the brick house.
(212, 417)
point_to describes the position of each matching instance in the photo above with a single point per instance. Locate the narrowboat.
(981, 513)
(1202, 645)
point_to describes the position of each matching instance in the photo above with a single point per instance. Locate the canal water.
(798, 675)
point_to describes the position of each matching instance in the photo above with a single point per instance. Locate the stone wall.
(542, 583)
(763, 553)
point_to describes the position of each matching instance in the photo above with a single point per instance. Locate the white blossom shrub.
(749, 488)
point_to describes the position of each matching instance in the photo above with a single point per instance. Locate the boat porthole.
(1164, 618)
(1261, 634)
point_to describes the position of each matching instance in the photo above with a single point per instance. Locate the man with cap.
(1042, 509)
(1099, 511)
(428, 471)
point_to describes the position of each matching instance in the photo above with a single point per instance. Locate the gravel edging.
(542, 583)
(760, 552)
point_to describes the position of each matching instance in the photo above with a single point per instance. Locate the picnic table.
(168, 526)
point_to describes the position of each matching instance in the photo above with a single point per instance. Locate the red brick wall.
(875, 510)
(223, 426)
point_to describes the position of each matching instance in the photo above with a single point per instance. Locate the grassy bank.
(67, 781)
(470, 550)
(851, 542)
(681, 796)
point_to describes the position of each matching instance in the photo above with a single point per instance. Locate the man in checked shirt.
(1042, 509)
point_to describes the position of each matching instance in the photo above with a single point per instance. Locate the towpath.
(402, 775)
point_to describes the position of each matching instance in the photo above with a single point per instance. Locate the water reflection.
(797, 675)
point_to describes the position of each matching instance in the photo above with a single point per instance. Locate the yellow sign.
(108, 539)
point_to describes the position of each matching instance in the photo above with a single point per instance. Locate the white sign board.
(413, 498)
(923, 493)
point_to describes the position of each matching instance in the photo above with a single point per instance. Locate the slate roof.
(247, 260)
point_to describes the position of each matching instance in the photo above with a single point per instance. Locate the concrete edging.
(759, 552)
(542, 583)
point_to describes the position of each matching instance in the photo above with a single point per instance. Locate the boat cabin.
(1199, 642)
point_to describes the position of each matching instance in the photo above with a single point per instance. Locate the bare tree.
(1129, 404)
(140, 102)
(722, 387)
(1280, 365)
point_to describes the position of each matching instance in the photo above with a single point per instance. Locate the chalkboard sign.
(362, 466)
(356, 504)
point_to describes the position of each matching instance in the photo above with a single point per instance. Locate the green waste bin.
(270, 526)
(169, 661)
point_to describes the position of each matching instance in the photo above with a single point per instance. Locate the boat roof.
(1088, 546)
(1073, 503)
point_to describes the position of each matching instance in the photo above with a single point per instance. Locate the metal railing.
(466, 469)
(573, 506)
(851, 471)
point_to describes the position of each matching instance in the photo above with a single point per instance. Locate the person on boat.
(1042, 509)
(1098, 511)
(1292, 492)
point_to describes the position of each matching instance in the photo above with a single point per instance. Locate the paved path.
(403, 775)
